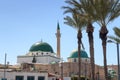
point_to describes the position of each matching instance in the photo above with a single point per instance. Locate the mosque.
(42, 63)
(42, 53)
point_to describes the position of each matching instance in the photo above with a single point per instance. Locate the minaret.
(58, 35)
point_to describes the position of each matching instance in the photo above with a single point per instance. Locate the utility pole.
(5, 67)
(118, 56)
(118, 61)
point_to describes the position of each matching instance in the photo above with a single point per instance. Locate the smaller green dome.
(74, 54)
(41, 46)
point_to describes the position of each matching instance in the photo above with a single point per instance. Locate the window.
(30, 78)
(19, 78)
(41, 78)
(3, 79)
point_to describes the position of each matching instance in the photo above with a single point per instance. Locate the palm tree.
(87, 7)
(84, 9)
(105, 11)
(77, 22)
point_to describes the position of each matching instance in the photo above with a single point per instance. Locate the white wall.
(46, 59)
(12, 75)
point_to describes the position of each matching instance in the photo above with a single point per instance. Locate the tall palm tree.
(84, 8)
(105, 11)
(77, 22)
(88, 9)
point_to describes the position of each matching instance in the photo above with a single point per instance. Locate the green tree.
(84, 8)
(77, 22)
(111, 74)
(105, 11)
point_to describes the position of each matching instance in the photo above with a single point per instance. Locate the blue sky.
(24, 22)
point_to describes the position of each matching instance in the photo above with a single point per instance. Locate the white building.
(10, 75)
(40, 52)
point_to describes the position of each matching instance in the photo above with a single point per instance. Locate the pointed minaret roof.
(58, 27)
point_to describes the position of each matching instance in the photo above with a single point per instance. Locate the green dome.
(41, 46)
(74, 54)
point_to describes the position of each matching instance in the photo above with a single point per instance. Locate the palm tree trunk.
(103, 36)
(91, 43)
(79, 36)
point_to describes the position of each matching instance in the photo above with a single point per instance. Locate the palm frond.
(72, 2)
(76, 19)
(69, 21)
(116, 38)
(117, 31)
(115, 12)
(68, 9)
(106, 10)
